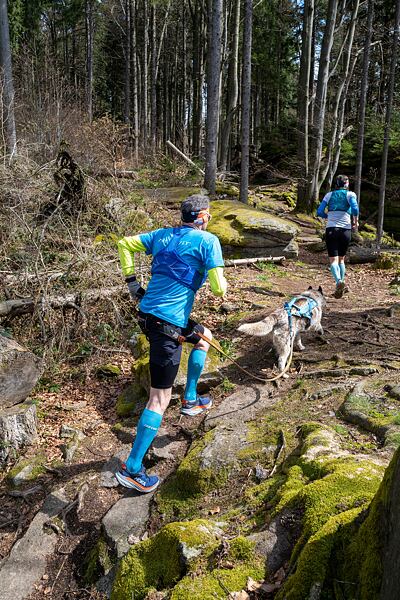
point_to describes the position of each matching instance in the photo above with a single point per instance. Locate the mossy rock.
(239, 225)
(108, 370)
(162, 560)
(387, 261)
(131, 401)
(331, 488)
(215, 584)
(368, 234)
(182, 492)
(97, 562)
(226, 189)
(371, 556)
(372, 415)
(26, 470)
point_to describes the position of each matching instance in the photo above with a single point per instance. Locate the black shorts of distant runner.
(165, 352)
(337, 241)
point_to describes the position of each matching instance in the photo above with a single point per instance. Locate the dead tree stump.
(19, 372)
(17, 428)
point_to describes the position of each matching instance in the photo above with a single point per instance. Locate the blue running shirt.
(165, 297)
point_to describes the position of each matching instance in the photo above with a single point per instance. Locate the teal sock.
(342, 269)
(334, 268)
(147, 429)
(196, 361)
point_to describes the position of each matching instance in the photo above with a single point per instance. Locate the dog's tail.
(260, 328)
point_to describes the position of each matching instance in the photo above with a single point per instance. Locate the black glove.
(135, 289)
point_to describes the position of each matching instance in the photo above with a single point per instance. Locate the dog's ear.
(320, 290)
(310, 287)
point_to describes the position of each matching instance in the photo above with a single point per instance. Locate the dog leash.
(215, 344)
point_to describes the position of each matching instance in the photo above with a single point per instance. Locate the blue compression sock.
(147, 429)
(342, 269)
(196, 361)
(334, 268)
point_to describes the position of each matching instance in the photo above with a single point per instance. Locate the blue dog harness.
(169, 263)
(301, 311)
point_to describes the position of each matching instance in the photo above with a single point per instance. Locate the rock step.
(26, 563)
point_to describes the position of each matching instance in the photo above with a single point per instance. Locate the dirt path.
(359, 329)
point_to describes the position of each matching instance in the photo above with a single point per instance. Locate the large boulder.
(255, 232)
(19, 372)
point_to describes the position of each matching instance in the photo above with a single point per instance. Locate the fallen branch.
(282, 446)
(186, 158)
(250, 261)
(13, 308)
(341, 372)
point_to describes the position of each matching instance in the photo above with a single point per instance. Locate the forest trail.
(361, 332)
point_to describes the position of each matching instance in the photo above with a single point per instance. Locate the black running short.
(165, 352)
(337, 241)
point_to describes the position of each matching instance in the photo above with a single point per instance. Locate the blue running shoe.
(196, 407)
(137, 481)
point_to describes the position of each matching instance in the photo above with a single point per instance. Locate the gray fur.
(277, 323)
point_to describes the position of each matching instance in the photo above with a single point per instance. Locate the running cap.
(195, 207)
(342, 181)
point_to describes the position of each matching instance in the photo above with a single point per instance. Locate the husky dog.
(306, 313)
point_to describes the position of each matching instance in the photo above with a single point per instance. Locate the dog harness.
(301, 311)
(167, 262)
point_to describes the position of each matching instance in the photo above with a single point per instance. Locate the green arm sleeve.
(127, 247)
(218, 282)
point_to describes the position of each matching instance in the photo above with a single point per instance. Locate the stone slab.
(240, 407)
(107, 478)
(26, 563)
(127, 518)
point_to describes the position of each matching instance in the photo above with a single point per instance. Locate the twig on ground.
(282, 446)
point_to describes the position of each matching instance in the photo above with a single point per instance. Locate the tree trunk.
(135, 94)
(89, 58)
(19, 372)
(304, 99)
(213, 92)
(363, 102)
(145, 78)
(128, 46)
(246, 95)
(320, 105)
(17, 429)
(388, 119)
(8, 84)
(338, 111)
(233, 86)
(153, 80)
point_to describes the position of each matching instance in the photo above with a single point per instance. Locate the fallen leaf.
(214, 511)
(252, 585)
(280, 575)
(242, 595)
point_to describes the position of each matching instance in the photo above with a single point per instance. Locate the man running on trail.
(340, 208)
(183, 257)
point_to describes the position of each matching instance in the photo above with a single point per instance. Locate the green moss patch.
(182, 493)
(372, 414)
(216, 584)
(330, 489)
(237, 224)
(160, 562)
